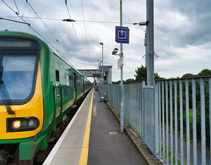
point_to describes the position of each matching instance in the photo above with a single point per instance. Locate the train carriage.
(37, 91)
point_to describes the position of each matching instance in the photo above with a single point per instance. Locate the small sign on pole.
(120, 62)
(122, 34)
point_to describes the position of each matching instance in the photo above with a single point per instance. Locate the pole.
(122, 87)
(150, 43)
(150, 108)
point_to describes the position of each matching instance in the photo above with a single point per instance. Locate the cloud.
(182, 32)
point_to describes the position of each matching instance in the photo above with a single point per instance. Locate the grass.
(169, 155)
(191, 139)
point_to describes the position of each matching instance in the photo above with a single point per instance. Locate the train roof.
(41, 41)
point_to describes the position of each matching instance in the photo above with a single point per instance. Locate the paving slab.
(107, 144)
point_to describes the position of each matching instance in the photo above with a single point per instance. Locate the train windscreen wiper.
(4, 93)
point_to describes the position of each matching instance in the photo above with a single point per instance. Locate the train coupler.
(3, 157)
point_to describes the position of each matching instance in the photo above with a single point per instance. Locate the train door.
(83, 86)
(75, 87)
(57, 90)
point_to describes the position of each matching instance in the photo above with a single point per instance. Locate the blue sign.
(122, 34)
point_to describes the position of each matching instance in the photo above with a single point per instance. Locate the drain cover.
(112, 133)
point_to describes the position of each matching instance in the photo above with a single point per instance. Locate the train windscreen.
(17, 76)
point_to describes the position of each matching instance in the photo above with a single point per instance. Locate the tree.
(188, 75)
(129, 80)
(141, 73)
(205, 72)
(157, 77)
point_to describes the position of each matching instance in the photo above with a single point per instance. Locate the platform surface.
(108, 146)
(72, 146)
(93, 137)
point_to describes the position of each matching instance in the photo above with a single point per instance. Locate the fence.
(177, 128)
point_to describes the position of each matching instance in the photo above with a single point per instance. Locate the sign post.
(121, 36)
(120, 62)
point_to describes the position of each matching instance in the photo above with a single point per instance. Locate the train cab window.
(57, 83)
(18, 76)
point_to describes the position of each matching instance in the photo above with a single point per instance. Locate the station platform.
(93, 137)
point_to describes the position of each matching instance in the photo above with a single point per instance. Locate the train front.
(21, 101)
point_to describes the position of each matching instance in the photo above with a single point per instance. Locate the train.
(38, 89)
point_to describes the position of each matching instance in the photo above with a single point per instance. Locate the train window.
(67, 87)
(57, 83)
(18, 76)
(67, 80)
(17, 43)
(71, 84)
(57, 75)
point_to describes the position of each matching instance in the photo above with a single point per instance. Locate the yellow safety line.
(85, 147)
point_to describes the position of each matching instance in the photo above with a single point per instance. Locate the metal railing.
(184, 121)
(181, 117)
(132, 106)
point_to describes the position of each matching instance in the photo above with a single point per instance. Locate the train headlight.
(22, 124)
(31, 123)
(16, 124)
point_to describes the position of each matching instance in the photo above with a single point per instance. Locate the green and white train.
(37, 90)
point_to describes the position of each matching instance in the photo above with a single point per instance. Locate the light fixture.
(114, 52)
(16, 124)
(141, 23)
(68, 20)
(22, 124)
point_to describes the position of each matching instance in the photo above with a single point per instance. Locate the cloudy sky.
(182, 31)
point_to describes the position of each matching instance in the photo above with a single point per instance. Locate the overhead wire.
(25, 7)
(14, 21)
(60, 19)
(42, 22)
(28, 24)
(16, 7)
(74, 30)
(47, 27)
(33, 28)
(85, 29)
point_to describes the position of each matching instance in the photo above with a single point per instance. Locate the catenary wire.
(47, 27)
(34, 29)
(25, 7)
(60, 19)
(16, 7)
(74, 30)
(42, 21)
(29, 25)
(14, 21)
(87, 43)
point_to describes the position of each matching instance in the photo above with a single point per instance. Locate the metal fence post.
(143, 111)
(156, 119)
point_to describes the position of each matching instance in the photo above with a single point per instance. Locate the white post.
(122, 87)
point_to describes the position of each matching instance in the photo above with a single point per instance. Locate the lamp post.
(101, 43)
(99, 64)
